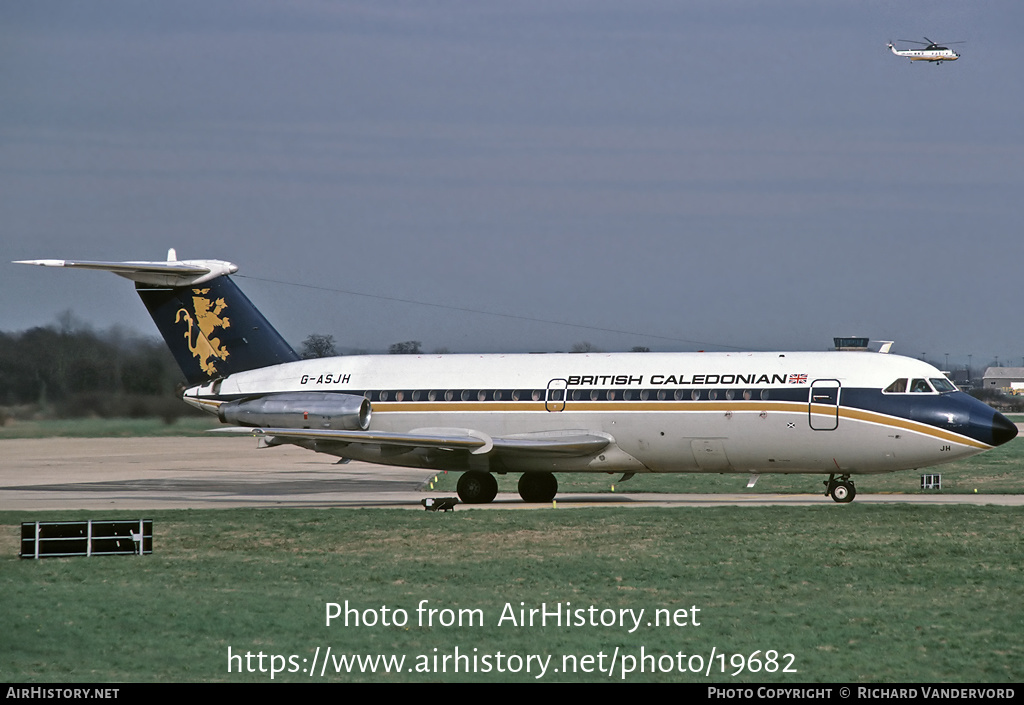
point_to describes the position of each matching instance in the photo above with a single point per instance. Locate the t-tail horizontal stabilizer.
(211, 327)
(170, 273)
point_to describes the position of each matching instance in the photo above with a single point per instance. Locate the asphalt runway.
(204, 473)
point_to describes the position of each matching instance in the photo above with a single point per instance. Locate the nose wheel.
(841, 490)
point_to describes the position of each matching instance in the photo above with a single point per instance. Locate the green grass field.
(855, 593)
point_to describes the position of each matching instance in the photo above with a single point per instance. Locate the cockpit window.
(897, 387)
(919, 386)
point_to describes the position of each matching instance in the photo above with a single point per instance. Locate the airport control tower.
(852, 343)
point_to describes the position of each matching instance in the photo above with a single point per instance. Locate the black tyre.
(477, 487)
(538, 487)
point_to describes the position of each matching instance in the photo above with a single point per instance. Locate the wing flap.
(547, 443)
(384, 438)
(572, 444)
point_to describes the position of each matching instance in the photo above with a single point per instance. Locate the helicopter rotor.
(930, 44)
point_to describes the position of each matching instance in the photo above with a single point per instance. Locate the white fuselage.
(672, 412)
(938, 55)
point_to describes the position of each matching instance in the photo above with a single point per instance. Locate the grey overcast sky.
(707, 174)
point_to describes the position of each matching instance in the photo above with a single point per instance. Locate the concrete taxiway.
(183, 473)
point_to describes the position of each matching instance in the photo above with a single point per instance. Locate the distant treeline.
(68, 369)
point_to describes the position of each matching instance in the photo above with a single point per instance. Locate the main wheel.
(477, 487)
(538, 486)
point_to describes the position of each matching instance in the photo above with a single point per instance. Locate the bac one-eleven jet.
(835, 413)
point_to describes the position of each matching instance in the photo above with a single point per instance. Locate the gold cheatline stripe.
(897, 422)
(787, 407)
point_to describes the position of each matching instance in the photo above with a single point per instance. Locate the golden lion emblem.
(199, 335)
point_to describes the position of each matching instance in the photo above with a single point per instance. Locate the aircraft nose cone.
(1003, 430)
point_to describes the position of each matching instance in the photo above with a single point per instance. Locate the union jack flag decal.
(798, 379)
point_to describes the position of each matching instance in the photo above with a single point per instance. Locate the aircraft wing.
(567, 443)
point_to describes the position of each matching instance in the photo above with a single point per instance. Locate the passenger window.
(897, 387)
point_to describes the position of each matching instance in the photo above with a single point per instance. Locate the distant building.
(1002, 378)
(961, 378)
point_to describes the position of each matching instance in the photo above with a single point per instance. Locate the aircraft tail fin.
(211, 327)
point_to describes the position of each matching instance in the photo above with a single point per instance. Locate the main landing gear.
(479, 487)
(841, 491)
(537, 486)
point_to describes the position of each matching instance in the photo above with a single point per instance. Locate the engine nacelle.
(345, 412)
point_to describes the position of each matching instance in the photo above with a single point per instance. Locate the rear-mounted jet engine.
(345, 412)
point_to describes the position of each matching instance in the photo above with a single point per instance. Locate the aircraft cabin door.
(823, 407)
(555, 399)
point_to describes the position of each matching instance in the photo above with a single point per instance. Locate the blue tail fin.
(213, 329)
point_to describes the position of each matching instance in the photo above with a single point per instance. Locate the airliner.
(835, 413)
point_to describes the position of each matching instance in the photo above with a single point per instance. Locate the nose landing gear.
(841, 490)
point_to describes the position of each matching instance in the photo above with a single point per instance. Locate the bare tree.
(409, 347)
(318, 345)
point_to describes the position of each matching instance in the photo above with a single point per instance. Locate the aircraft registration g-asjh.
(931, 52)
(835, 413)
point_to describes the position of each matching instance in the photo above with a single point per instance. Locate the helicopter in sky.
(932, 51)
